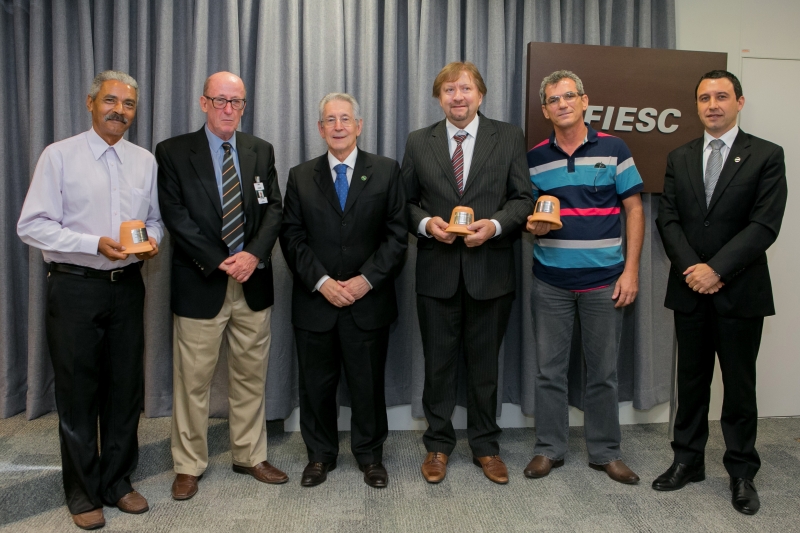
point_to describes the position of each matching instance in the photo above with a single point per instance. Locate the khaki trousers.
(196, 345)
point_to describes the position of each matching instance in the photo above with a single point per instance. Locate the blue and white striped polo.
(590, 185)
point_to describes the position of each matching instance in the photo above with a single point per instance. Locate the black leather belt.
(86, 272)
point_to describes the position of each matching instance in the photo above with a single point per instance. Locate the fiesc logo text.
(647, 118)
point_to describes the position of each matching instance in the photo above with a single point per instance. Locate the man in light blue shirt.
(83, 188)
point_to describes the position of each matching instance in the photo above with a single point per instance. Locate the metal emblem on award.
(133, 236)
(462, 217)
(548, 209)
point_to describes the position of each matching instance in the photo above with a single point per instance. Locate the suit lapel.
(485, 142)
(247, 167)
(441, 152)
(204, 167)
(739, 153)
(363, 168)
(694, 164)
(324, 180)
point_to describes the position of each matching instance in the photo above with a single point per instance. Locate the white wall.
(765, 29)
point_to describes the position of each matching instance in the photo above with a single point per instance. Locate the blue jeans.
(554, 312)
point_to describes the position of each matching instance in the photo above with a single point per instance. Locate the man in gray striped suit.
(465, 286)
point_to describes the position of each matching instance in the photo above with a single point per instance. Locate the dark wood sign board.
(651, 91)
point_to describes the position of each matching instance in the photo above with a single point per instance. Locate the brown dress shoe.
(133, 503)
(93, 519)
(434, 467)
(184, 486)
(493, 467)
(264, 472)
(540, 466)
(618, 471)
(315, 473)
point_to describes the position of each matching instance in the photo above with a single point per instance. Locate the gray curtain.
(290, 53)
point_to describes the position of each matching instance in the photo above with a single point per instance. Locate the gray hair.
(117, 75)
(343, 97)
(556, 77)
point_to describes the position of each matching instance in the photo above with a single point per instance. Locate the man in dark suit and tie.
(220, 200)
(723, 202)
(465, 286)
(343, 237)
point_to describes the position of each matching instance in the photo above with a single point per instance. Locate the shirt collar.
(215, 143)
(98, 146)
(728, 137)
(350, 160)
(591, 136)
(471, 129)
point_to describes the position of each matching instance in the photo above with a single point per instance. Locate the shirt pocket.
(140, 203)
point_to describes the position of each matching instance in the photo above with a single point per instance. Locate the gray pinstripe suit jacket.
(498, 187)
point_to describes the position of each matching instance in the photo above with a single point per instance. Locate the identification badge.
(259, 186)
(260, 195)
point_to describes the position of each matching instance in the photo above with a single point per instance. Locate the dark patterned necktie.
(458, 162)
(232, 209)
(713, 168)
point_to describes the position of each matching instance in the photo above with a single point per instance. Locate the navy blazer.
(192, 212)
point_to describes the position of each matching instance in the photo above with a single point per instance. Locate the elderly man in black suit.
(723, 202)
(220, 201)
(343, 237)
(465, 286)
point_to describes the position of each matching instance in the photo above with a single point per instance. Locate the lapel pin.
(737, 159)
(363, 178)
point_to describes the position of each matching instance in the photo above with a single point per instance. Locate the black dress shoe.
(744, 496)
(375, 475)
(678, 475)
(316, 473)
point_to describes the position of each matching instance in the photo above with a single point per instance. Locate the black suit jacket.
(369, 237)
(192, 212)
(733, 233)
(498, 187)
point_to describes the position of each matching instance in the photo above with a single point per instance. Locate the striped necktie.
(458, 162)
(713, 168)
(232, 209)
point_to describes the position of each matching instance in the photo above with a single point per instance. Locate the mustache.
(115, 116)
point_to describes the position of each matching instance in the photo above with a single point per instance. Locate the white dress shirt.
(82, 189)
(467, 149)
(350, 161)
(727, 137)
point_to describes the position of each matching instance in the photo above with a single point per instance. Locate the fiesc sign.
(646, 97)
(648, 118)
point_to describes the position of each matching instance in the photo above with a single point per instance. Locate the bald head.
(227, 89)
(220, 76)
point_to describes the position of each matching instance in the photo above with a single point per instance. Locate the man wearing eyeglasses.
(343, 237)
(219, 193)
(579, 270)
(465, 285)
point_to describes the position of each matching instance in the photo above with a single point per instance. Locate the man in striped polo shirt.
(580, 269)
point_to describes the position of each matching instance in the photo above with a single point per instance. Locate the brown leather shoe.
(618, 471)
(434, 467)
(93, 519)
(264, 472)
(540, 466)
(184, 486)
(133, 503)
(493, 467)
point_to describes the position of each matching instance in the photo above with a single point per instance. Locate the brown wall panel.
(651, 86)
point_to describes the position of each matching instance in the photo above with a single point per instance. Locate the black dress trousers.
(701, 334)
(322, 355)
(448, 325)
(95, 333)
